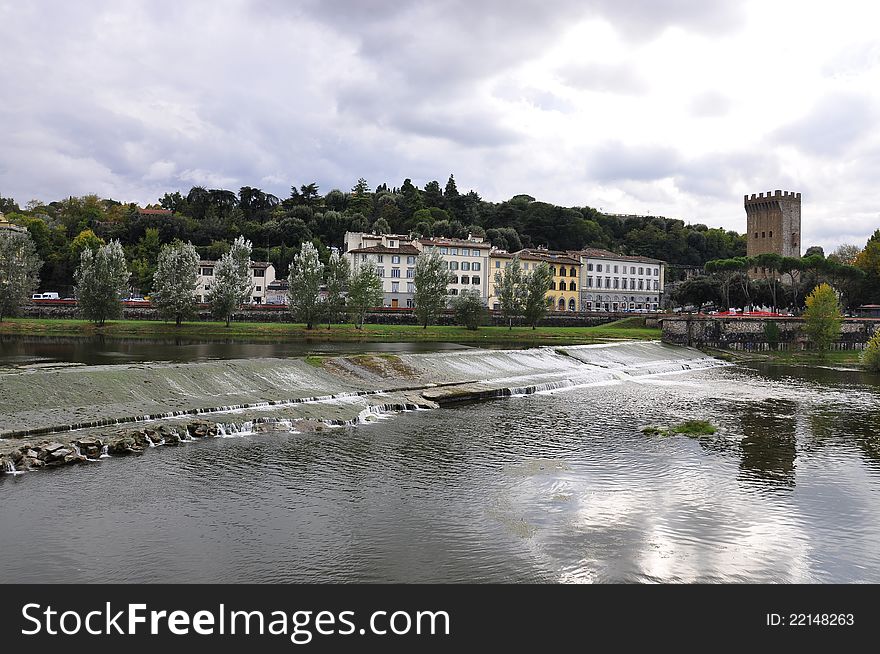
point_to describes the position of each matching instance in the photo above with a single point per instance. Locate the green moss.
(316, 361)
(694, 428)
(654, 431)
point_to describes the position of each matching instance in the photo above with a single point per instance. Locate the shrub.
(771, 333)
(871, 355)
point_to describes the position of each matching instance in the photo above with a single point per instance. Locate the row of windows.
(632, 269)
(465, 265)
(380, 258)
(617, 283)
(395, 272)
(572, 286)
(764, 234)
(410, 287)
(619, 306)
(525, 265)
(619, 298)
(453, 279)
(465, 252)
(209, 272)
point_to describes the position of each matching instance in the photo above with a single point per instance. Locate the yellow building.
(564, 294)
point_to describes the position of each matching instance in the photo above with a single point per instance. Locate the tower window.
(763, 234)
(771, 234)
(756, 234)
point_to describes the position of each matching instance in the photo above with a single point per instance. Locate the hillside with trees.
(277, 227)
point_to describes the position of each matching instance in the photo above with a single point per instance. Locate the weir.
(340, 390)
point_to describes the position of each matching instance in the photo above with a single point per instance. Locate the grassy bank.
(851, 358)
(628, 329)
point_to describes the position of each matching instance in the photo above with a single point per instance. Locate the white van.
(45, 296)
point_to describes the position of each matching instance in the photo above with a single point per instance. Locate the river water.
(549, 487)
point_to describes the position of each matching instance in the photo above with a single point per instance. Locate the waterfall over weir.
(338, 390)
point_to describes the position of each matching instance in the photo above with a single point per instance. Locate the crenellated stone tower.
(773, 223)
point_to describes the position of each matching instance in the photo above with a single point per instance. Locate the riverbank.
(626, 329)
(807, 358)
(45, 412)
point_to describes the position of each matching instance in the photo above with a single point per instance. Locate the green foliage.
(306, 274)
(822, 318)
(19, 271)
(871, 354)
(338, 276)
(509, 289)
(364, 292)
(535, 287)
(101, 279)
(771, 334)
(232, 280)
(431, 281)
(469, 309)
(175, 281)
(691, 428)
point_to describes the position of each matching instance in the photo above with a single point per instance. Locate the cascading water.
(105, 452)
(9, 467)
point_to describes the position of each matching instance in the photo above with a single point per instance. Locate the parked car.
(50, 295)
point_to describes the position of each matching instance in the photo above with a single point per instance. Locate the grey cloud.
(599, 76)
(710, 104)
(834, 124)
(614, 161)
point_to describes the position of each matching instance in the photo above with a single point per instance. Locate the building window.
(380, 271)
(391, 244)
(771, 233)
(453, 265)
(465, 265)
(657, 270)
(632, 270)
(380, 258)
(656, 285)
(444, 250)
(632, 284)
(763, 234)
(395, 287)
(571, 305)
(395, 272)
(572, 286)
(562, 286)
(756, 234)
(207, 287)
(453, 291)
(616, 282)
(410, 287)
(475, 280)
(497, 264)
(641, 271)
(258, 288)
(409, 303)
(395, 259)
(363, 257)
(562, 304)
(589, 282)
(641, 284)
(410, 260)
(465, 252)
(572, 273)
(615, 269)
(259, 272)
(598, 282)
(207, 272)
(589, 266)
(599, 267)
(410, 273)
(475, 266)
(453, 251)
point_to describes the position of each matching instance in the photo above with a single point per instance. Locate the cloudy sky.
(669, 107)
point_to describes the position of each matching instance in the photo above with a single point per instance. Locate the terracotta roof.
(455, 242)
(551, 256)
(384, 249)
(156, 212)
(595, 253)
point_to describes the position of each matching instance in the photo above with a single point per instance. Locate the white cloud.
(677, 107)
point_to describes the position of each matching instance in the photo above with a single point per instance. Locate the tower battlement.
(773, 224)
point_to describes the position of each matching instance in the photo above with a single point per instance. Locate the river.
(558, 486)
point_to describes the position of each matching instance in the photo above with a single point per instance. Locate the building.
(276, 292)
(5, 225)
(773, 225)
(617, 282)
(564, 289)
(467, 261)
(394, 258)
(262, 275)
(155, 212)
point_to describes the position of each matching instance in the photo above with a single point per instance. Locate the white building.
(262, 274)
(467, 261)
(616, 282)
(394, 258)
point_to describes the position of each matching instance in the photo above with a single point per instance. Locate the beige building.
(467, 261)
(617, 282)
(262, 275)
(564, 290)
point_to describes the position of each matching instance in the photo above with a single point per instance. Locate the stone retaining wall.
(746, 333)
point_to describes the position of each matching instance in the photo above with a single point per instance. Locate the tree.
(232, 280)
(338, 276)
(845, 254)
(508, 288)
(726, 272)
(306, 274)
(536, 284)
(822, 318)
(871, 355)
(772, 264)
(698, 291)
(101, 279)
(175, 281)
(431, 280)
(19, 271)
(364, 292)
(793, 267)
(469, 309)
